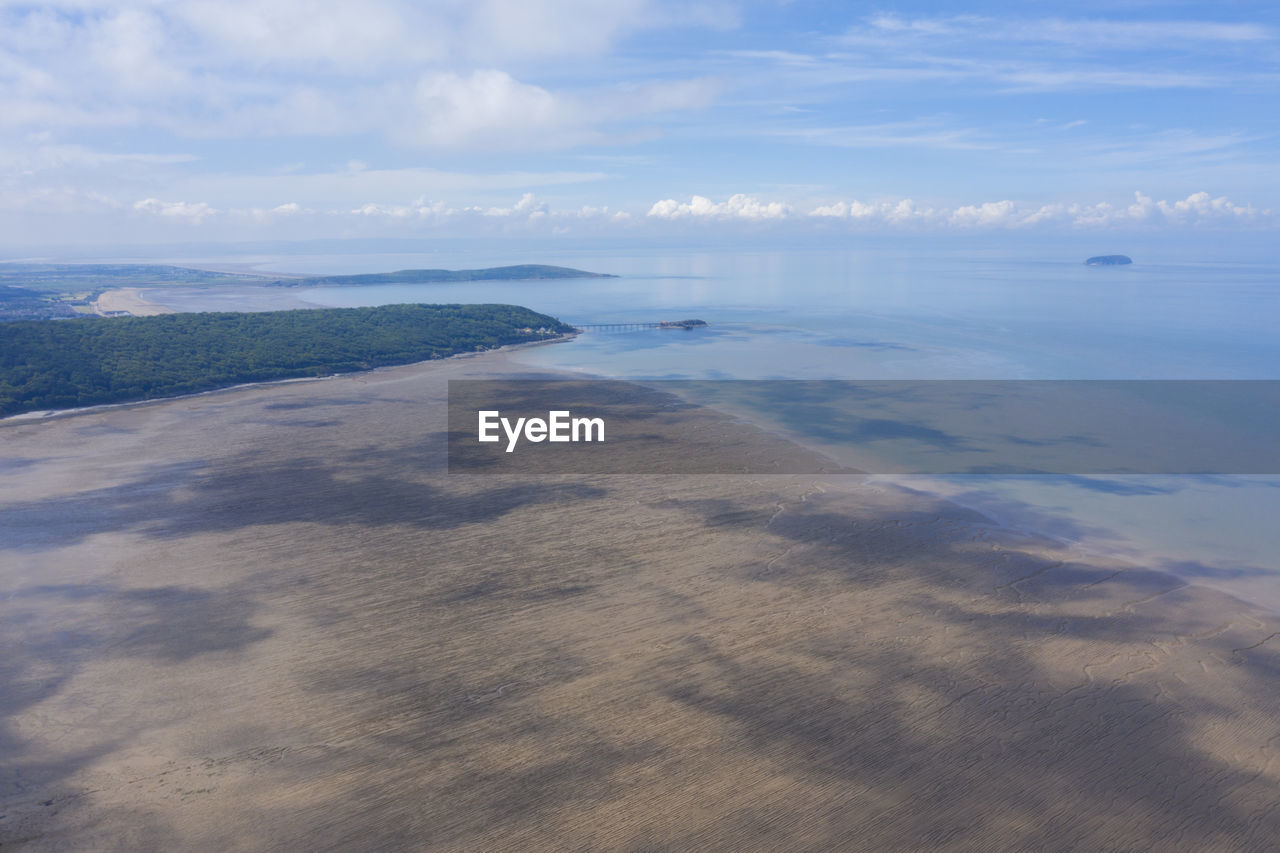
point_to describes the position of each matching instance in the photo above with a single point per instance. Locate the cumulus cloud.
(528, 210)
(530, 214)
(1196, 208)
(735, 207)
(280, 212)
(420, 209)
(193, 212)
(987, 213)
(893, 212)
(526, 206)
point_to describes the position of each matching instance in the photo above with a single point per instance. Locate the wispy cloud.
(1090, 33)
(425, 75)
(920, 133)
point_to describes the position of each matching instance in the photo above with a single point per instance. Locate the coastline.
(53, 414)
(496, 362)
(1014, 522)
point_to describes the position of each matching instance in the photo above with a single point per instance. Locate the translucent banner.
(882, 426)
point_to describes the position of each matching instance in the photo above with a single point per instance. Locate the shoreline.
(493, 361)
(1012, 521)
(42, 415)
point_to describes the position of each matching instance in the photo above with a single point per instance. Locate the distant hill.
(519, 272)
(48, 291)
(1108, 260)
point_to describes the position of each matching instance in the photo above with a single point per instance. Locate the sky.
(204, 120)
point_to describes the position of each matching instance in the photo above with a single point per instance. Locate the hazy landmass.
(520, 272)
(1108, 260)
(57, 365)
(56, 291)
(61, 278)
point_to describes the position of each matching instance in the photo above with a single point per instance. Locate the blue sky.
(195, 120)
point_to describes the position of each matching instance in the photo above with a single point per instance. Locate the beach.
(267, 618)
(127, 299)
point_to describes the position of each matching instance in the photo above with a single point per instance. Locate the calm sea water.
(944, 315)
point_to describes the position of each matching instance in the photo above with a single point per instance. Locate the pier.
(616, 327)
(629, 327)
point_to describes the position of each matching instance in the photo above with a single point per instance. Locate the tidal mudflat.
(269, 619)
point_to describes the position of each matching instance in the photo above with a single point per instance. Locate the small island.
(682, 324)
(1108, 260)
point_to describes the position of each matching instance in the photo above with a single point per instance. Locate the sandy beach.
(269, 619)
(127, 299)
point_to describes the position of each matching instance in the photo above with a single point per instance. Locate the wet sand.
(267, 619)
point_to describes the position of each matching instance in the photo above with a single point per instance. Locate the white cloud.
(193, 212)
(1078, 32)
(55, 157)
(1197, 208)
(526, 206)
(921, 133)
(489, 108)
(987, 213)
(361, 38)
(528, 210)
(423, 74)
(355, 38)
(891, 212)
(529, 213)
(735, 207)
(420, 209)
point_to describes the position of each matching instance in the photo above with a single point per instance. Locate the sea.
(909, 311)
